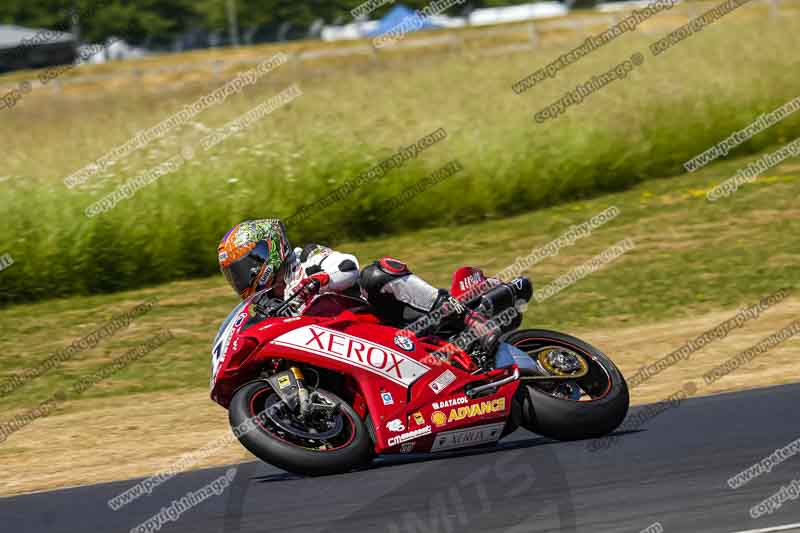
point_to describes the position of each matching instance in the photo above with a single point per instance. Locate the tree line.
(158, 22)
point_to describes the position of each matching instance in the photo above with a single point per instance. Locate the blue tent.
(394, 17)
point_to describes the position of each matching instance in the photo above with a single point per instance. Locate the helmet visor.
(243, 274)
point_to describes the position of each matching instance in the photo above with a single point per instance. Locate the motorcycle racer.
(256, 255)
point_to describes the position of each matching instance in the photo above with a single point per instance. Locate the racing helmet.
(251, 254)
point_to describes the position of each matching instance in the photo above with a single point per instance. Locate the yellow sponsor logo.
(477, 409)
(438, 418)
(419, 419)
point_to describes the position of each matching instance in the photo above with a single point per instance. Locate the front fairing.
(243, 325)
(222, 340)
(410, 395)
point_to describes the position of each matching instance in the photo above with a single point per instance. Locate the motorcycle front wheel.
(330, 443)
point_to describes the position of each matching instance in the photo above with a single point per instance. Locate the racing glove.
(309, 287)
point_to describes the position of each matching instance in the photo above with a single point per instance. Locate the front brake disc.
(277, 413)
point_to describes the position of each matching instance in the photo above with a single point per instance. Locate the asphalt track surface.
(672, 470)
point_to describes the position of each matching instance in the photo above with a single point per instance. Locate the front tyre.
(330, 443)
(592, 405)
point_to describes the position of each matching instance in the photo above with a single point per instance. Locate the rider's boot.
(477, 334)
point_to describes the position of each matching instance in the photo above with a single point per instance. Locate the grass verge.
(670, 109)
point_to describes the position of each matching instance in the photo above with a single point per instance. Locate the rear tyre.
(591, 406)
(282, 441)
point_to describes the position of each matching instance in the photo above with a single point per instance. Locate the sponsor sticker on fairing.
(451, 402)
(462, 438)
(404, 343)
(387, 398)
(441, 383)
(395, 425)
(419, 419)
(477, 409)
(354, 351)
(411, 435)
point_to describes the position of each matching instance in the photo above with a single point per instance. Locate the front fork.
(290, 385)
(302, 391)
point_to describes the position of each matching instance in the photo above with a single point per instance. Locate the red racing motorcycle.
(326, 391)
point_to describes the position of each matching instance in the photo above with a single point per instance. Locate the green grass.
(668, 111)
(691, 257)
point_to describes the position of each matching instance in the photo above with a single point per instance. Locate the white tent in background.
(497, 15)
(354, 30)
(114, 50)
(119, 49)
(622, 6)
(448, 22)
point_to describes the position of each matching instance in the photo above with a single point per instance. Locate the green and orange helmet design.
(251, 254)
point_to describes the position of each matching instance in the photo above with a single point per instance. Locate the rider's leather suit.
(399, 296)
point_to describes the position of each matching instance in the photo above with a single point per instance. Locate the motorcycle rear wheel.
(590, 406)
(275, 442)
